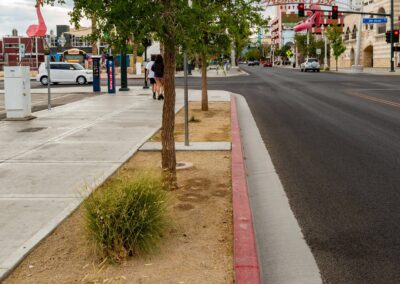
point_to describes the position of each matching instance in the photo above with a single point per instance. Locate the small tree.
(334, 34)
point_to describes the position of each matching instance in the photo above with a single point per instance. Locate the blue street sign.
(374, 20)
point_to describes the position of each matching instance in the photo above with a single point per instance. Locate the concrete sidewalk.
(49, 164)
(372, 71)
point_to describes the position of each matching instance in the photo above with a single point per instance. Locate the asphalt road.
(335, 142)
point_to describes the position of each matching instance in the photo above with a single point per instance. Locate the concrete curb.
(246, 268)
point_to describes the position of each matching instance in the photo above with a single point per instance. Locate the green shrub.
(126, 216)
(326, 68)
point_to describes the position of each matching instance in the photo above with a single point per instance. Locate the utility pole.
(325, 50)
(391, 35)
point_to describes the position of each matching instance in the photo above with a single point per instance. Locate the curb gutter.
(246, 268)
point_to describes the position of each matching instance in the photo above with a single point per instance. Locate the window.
(11, 45)
(381, 28)
(78, 67)
(354, 32)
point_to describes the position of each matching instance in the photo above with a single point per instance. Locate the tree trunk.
(94, 30)
(134, 51)
(336, 64)
(168, 119)
(204, 94)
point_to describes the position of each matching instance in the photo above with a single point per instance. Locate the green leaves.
(334, 34)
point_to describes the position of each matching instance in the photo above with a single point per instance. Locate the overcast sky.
(20, 14)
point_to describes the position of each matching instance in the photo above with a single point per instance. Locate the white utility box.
(17, 92)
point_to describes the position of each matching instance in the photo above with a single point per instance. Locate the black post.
(391, 36)
(124, 75)
(145, 71)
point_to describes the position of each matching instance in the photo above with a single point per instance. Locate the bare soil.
(196, 249)
(213, 125)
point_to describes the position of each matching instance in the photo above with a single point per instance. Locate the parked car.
(63, 72)
(253, 63)
(310, 64)
(268, 64)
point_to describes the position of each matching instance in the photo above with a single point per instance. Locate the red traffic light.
(335, 12)
(300, 9)
(396, 32)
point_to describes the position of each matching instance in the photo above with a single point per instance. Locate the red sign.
(110, 72)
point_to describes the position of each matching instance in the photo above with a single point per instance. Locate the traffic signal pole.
(391, 36)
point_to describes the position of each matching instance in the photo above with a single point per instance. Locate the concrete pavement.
(49, 164)
(284, 256)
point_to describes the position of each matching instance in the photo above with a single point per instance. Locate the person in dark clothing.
(158, 69)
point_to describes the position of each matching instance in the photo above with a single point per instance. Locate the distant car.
(63, 72)
(268, 64)
(253, 63)
(310, 64)
(242, 62)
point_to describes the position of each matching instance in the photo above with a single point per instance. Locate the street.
(335, 142)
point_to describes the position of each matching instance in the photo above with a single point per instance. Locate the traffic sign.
(374, 20)
(288, 53)
(21, 51)
(318, 51)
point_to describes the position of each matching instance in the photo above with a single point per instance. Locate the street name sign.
(374, 20)
(21, 51)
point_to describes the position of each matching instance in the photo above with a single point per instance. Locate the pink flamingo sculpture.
(314, 19)
(40, 29)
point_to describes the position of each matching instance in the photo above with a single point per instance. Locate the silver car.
(310, 64)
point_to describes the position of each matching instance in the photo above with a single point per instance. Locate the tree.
(170, 22)
(219, 25)
(334, 35)
(252, 54)
(310, 49)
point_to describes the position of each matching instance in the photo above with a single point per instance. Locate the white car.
(63, 72)
(310, 64)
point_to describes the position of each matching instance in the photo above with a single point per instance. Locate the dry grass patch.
(196, 249)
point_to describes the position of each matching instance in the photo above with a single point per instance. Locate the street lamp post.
(391, 35)
(186, 91)
(146, 42)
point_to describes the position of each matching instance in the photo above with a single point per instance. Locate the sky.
(20, 14)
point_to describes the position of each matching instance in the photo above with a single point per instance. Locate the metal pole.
(145, 70)
(48, 82)
(325, 51)
(391, 36)
(359, 34)
(308, 42)
(185, 68)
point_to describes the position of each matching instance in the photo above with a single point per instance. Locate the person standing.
(158, 69)
(150, 75)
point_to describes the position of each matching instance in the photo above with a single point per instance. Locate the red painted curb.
(245, 255)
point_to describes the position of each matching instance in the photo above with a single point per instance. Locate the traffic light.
(300, 9)
(335, 12)
(395, 36)
(388, 33)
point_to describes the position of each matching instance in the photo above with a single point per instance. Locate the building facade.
(10, 52)
(375, 52)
